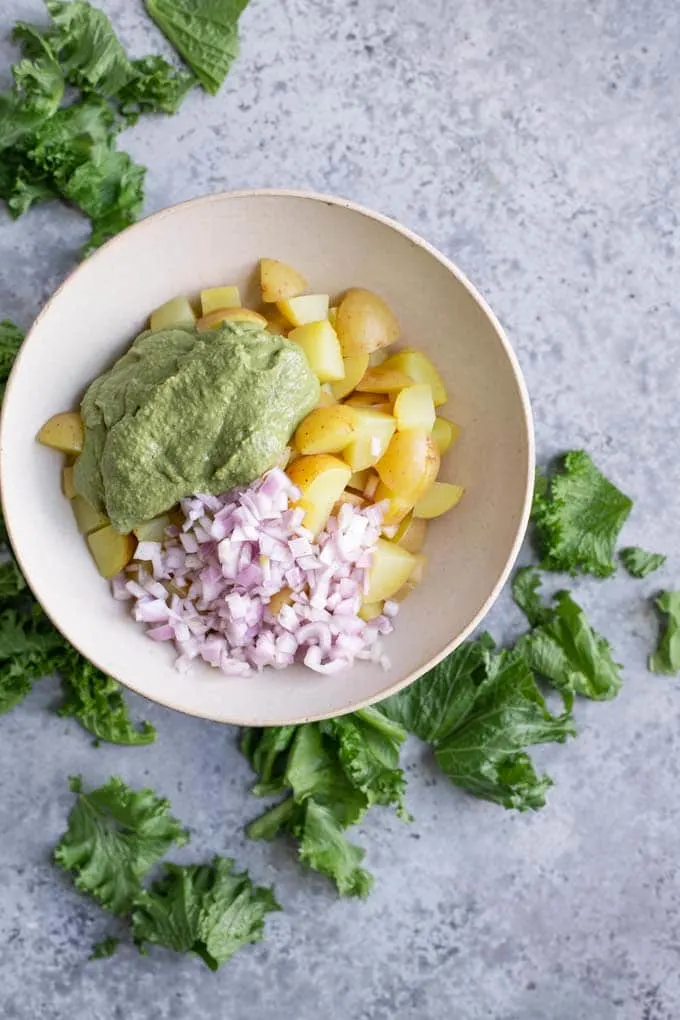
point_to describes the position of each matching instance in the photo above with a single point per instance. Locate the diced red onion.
(207, 587)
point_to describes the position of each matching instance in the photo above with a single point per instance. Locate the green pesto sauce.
(185, 412)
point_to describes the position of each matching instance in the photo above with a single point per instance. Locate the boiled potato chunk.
(87, 518)
(397, 508)
(374, 431)
(355, 368)
(365, 322)
(327, 429)
(418, 573)
(411, 533)
(111, 550)
(321, 480)
(277, 322)
(333, 315)
(383, 380)
(444, 433)
(326, 398)
(369, 610)
(353, 498)
(177, 312)
(305, 308)
(410, 463)
(390, 569)
(359, 480)
(414, 408)
(280, 598)
(419, 367)
(439, 498)
(63, 432)
(319, 341)
(153, 530)
(68, 486)
(377, 400)
(414, 579)
(279, 281)
(219, 297)
(216, 318)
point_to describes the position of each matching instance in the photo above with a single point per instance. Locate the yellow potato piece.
(279, 281)
(68, 486)
(369, 610)
(359, 479)
(421, 370)
(444, 433)
(397, 507)
(319, 341)
(326, 398)
(442, 496)
(376, 358)
(277, 322)
(414, 579)
(333, 315)
(390, 569)
(380, 401)
(321, 480)
(87, 518)
(304, 309)
(355, 368)
(411, 533)
(327, 429)
(373, 434)
(353, 498)
(219, 297)
(216, 318)
(365, 322)
(63, 432)
(177, 312)
(153, 530)
(418, 573)
(414, 408)
(111, 550)
(383, 380)
(281, 598)
(410, 463)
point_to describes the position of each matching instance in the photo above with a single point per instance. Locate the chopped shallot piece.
(207, 587)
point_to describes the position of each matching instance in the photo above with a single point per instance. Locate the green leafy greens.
(30, 647)
(563, 647)
(209, 910)
(107, 947)
(11, 338)
(480, 709)
(578, 516)
(50, 150)
(96, 701)
(666, 659)
(114, 836)
(331, 773)
(640, 563)
(204, 33)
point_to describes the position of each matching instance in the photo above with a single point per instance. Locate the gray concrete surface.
(537, 144)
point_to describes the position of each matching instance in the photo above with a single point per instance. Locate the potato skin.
(365, 323)
(410, 463)
(63, 432)
(326, 430)
(279, 281)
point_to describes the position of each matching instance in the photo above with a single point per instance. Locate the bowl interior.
(216, 240)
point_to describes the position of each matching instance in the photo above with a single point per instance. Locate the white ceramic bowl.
(218, 239)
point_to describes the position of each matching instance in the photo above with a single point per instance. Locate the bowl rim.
(459, 275)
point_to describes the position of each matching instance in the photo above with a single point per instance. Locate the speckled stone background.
(537, 144)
